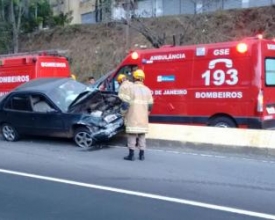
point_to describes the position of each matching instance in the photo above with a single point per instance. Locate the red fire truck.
(16, 69)
(228, 84)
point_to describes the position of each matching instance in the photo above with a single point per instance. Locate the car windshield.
(66, 93)
(100, 82)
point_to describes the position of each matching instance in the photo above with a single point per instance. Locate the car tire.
(9, 132)
(222, 122)
(83, 138)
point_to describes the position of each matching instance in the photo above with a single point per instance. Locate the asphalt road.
(53, 179)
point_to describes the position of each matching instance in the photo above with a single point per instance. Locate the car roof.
(43, 85)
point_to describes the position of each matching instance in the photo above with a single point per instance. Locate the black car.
(60, 107)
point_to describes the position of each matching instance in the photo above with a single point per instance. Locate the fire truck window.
(19, 103)
(270, 72)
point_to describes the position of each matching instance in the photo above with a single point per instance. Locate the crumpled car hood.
(100, 112)
(84, 99)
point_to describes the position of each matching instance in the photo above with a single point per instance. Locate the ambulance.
(16, 69)
(227, 84)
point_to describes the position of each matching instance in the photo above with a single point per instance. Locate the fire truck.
(227, 84)
(16, 69)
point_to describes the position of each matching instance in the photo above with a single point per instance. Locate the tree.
(98, 10)
(103, 10)
(5, 29)
(21, 16)
(38, 15)
(16, 8)
(61, 19)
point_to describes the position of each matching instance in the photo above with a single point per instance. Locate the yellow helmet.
(120, 77)
(73, 76)
(139, 74)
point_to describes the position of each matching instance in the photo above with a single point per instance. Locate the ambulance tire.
(9, 132)
(222, 122)
(83, 138)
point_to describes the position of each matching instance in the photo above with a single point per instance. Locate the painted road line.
(145, 195)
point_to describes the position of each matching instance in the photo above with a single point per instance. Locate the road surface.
(53, 179)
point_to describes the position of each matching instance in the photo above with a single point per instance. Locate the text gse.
(221, 52)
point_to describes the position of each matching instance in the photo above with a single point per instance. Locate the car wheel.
(223, 122)
(83, 138)
(9, 132)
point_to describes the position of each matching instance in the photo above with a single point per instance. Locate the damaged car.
(60, 107)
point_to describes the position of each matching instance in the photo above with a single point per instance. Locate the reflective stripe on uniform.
(136, 130)
(140, 102)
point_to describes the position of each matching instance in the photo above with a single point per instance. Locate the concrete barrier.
(226, 140)
(211, 135)
(214, 136)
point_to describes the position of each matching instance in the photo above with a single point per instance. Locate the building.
(83, 11)
(93, 11)
(200, 6)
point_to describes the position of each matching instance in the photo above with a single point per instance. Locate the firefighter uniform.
(124, 90)
(137, 114)
(139, 101)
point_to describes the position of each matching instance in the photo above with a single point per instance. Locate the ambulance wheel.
(83, 138)
(222, 122)
(9, 133)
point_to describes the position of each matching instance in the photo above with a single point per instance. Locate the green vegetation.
(19, 17)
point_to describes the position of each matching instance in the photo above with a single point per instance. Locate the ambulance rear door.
(268, 70)
(51, 66)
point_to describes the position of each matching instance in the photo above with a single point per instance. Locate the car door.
(49, 120)
(18, 113)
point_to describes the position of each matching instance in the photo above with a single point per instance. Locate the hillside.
(96, 49)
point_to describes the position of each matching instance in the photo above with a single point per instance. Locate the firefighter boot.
(130, 156)
(141, 155)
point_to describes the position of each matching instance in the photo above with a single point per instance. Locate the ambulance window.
(270, 72)
(127, 70)
(116, 86)
(19, 103)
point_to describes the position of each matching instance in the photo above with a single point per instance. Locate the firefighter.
(124, 87)
(137, 104)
